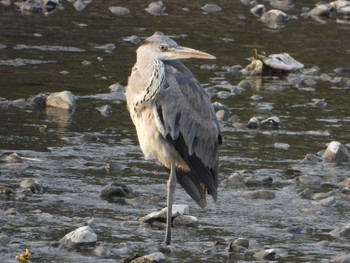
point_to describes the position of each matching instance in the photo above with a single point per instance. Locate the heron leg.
(171, 185)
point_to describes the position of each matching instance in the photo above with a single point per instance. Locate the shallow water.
(80, 152)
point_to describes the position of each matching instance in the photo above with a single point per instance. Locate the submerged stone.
(259, 194)
(105, 110)
(274, 18)
(33, 185)
(342, 231)
(258, 10)
(211, 8)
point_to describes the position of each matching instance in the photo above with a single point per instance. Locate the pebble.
(336, 152)
(280, 145)
(342, 231)
(105, 110)
(323, 10)
(222, 115)
(113, 191)
(258, 10)
(185, 221)
(81, 238)
(86, 63)
(80, 5)
(157, 257)
(309, 181)
(133, 39)
(211, 8)
(11, 158)
(342, 70)
(271, 123)
(63, 100)
(160, 216)
(156, 8)
(253, 123)
(33, 185)
(256, 97)
(259, 194)
(108, 47)
(267, 254)
(345, 183)
(274, 18)
(265, 181)
(119, 10)
(327, 202)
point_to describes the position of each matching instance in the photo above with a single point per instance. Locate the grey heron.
(174, 119)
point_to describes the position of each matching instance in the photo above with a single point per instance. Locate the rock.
(108, 47)
(253, 123)
(280, 145)
(323, 10)
(327, 202)
(274, 18)
(343, 231)
(258, 10)
(211, 8)
(267, 254)
(256, 97)
(309, 181)
(271, 123)
(6, 193)
(160, 216)
(156, 8)
(86, 63)
(241, 242)
(20, 103)
(81, 238)
(323, 244)
(114, 191)
(157, 257)
(100, 251)
(62, 100)
(342, 70)
(132, 39)
(341, 259)
(312, 158)
(185, 221)
(119, 10)
(34, 186)
(307, 194)
(222, 115)
(281, 4)
(234, 180)
(336, 152)
(318, 103)
(37, 101)
(79, 5)
(259, 194)
(266, 181)
(345, 183)
(11, 158)
(105, 110)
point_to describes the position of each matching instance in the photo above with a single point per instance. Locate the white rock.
(157, 257)
(179, 210)
(81, 236)
(336, 152)
(63, 100)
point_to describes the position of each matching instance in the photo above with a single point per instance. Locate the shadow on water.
(75, 154)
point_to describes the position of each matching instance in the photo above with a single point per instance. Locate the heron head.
(161, 47)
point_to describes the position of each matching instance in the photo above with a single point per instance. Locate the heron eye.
(162, 48)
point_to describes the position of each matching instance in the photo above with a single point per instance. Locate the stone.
(79, 5)
(253, 123)
(157, 257)
(20, 103)
(156, 8)
(323, 10)
(108, 47)
(336, 152)
(37, 101)
(11, 158)
(113, 191)
(274, 18)
(211, 8)
(259, 194)
(280, 145)
(160, 216)
(132, 39)
(267, 254)
(271, 123)
(309, 181)
(265, 181)
(119, 10)
(63, 100)
(345, 183)
(222, 115)
(82, 237)
(241, 242)
(341, 259)
(343, 231)
(105, 110)
(258, 10)
(185, 221)
(6, 193)
(34, 186)
(329, 201)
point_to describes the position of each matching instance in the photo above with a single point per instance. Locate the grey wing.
(189, 123)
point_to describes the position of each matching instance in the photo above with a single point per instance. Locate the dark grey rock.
(108, 47)
(342, 70)
(37, 101)
(258, 10)
(185, 221)
(265, 181)
(274, 18)
(253, 123)
(114, 191)
(19, 103)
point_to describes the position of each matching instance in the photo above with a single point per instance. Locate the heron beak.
(186, 52)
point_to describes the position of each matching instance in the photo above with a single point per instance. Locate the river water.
(78, 153)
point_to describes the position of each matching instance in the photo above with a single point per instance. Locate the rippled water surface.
(75, 154)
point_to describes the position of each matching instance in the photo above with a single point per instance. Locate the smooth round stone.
(259, 194)
(211, 8)
(63, 100)
(119, 10)
(83, 236)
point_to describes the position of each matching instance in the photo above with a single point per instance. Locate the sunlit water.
(76, 149)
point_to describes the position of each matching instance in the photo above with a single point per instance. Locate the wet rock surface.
(298, 208)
